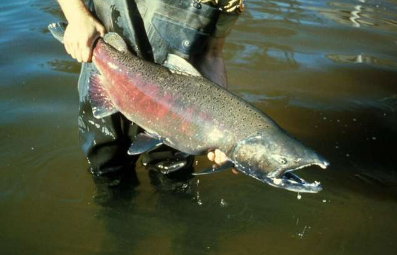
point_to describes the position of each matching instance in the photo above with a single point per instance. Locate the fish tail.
(57, 30)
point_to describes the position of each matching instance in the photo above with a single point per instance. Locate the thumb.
(101, 30)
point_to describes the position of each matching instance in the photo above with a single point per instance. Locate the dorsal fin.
(179, 65)
(116, 41)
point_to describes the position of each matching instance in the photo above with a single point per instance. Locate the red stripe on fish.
(133, 94)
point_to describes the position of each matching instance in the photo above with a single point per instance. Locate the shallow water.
(325, 71)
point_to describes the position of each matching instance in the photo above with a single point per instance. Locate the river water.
(326, 71)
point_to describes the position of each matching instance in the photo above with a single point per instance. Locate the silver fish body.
(195, 116)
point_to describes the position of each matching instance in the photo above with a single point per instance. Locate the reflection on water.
(362, 13)
(64, 66)
(363, 59)
(323, 70)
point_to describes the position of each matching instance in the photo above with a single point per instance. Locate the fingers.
(101, 30)
(211, 156)
(73, 48)
(217, 156)
(86, 54)
(78, 52)
(220, 157)
(80, 37)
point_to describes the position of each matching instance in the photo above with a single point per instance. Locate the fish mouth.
(293, 182)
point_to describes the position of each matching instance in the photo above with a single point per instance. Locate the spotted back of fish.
(193, 110)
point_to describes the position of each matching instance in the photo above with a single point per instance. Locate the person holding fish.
(194, 30)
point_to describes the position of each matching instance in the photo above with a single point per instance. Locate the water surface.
(326, 71)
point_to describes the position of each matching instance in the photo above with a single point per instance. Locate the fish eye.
(283, 161)
(280, 159)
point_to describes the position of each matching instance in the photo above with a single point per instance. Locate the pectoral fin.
(216, 168)
(102, 105)
(143, 143)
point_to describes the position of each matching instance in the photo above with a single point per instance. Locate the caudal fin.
(58, 30)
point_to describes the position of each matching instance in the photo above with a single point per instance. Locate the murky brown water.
(325, 71)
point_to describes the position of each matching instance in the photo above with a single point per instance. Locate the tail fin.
(57, 30)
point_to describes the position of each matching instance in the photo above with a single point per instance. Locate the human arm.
(82, 29)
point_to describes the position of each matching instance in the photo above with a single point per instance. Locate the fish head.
(271, 155)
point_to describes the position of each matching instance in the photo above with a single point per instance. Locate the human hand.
(80, 35)
(219, 157)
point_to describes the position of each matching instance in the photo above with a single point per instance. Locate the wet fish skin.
(195, 115)
(174, 106)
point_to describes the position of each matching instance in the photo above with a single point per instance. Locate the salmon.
(194, 115)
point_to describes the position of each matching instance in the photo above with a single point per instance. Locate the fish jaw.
(292, 182)
(271, 156)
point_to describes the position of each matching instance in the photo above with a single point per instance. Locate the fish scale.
(203, 104)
